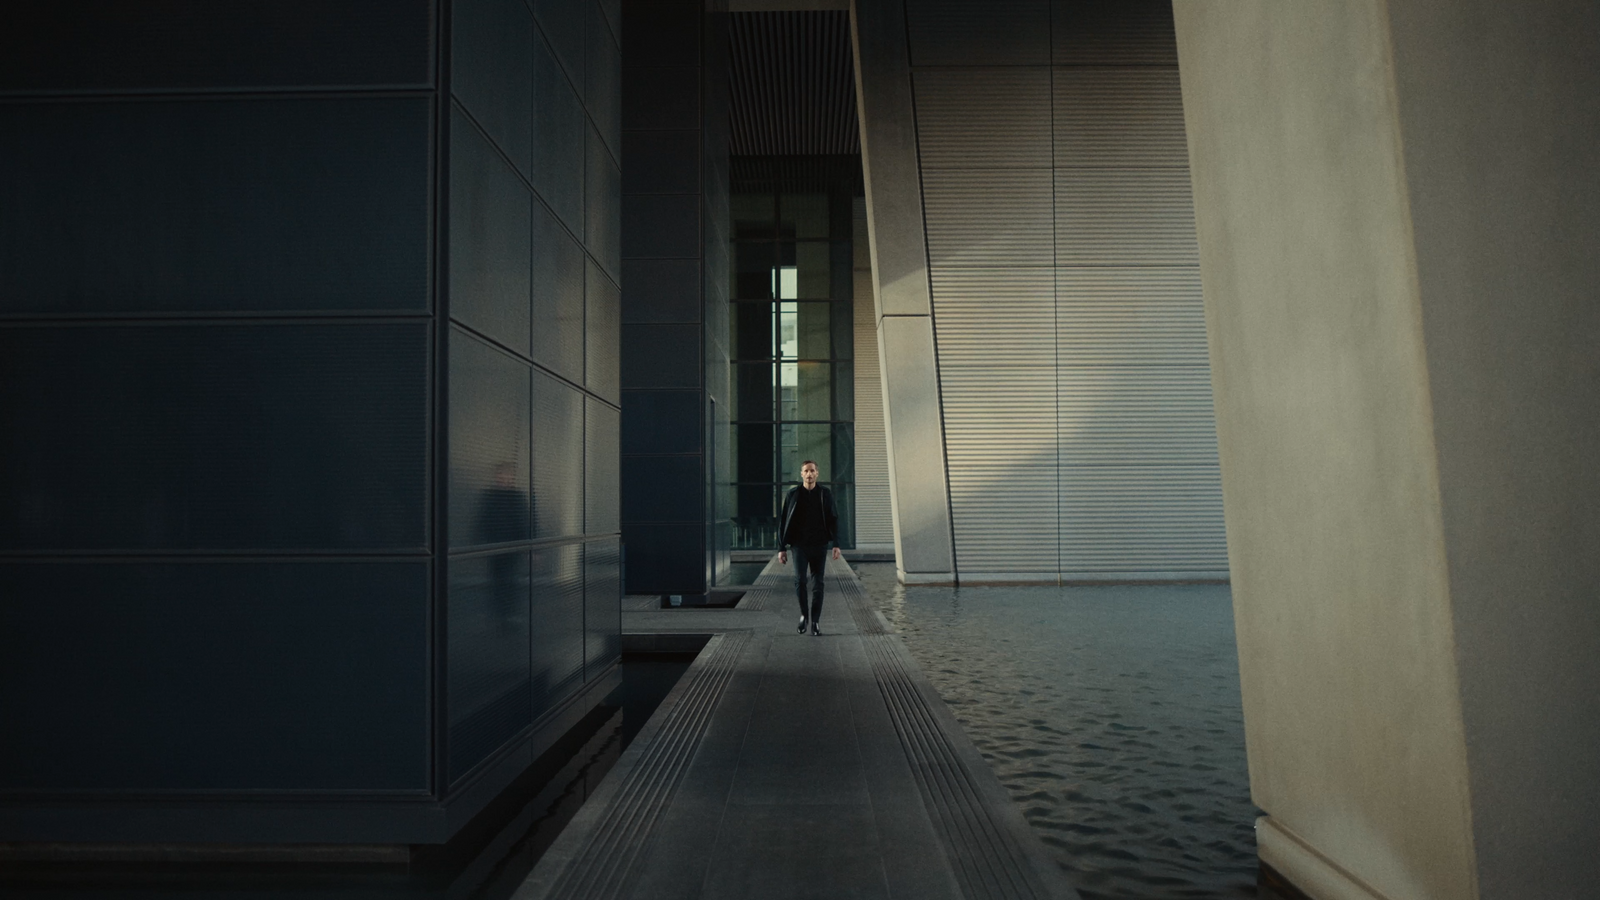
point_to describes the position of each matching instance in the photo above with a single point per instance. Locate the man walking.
(809, 523)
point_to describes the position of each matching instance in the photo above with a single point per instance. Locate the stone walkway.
(789, 766)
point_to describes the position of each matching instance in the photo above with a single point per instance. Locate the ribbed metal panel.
(999, 415)
(1005, 518)
(1112, 217)
(1074, 378)
(989, 317)
(989, 217)
(792, 84)
(1129, 316)
(1125, 414)
(1000, 441)
(984, 118)
(1113, 33)
(1131, 521)
(1105, 118)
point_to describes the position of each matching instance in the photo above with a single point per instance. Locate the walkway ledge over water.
(786, 766)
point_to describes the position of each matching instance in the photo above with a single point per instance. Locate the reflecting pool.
(1111, 715)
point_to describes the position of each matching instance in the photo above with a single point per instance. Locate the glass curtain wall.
(791, 330)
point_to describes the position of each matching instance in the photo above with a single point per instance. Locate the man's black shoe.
(815, 631)
(802, 628)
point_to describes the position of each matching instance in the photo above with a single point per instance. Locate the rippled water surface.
(1112, 716)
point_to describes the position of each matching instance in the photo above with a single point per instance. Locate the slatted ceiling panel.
(986, 33)
(791, 84)
(792, 175)
(995, 317)
(983, 118)
(1128, 117)
(1110, 217)
(1146, 414)
(1141, 315)
(1113, 33)
(1142, 520)
(1005, 518)
(988, 217)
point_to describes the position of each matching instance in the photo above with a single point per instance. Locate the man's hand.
(836, 553)
(783, 558)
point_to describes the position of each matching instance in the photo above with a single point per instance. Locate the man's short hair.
(810, 462)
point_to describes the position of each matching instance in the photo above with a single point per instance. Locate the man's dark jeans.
(812, 559)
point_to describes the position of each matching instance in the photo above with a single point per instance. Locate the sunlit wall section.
(1066, 294)
(874, 516)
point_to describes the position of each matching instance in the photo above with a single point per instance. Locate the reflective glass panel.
(792, 393)
(811, 262)
(754, 215)
(752, 331)
(752, 270)
(805, 391)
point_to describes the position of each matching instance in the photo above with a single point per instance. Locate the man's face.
(808, 476)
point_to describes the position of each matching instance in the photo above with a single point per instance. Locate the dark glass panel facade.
(489, 690)
(791, 332)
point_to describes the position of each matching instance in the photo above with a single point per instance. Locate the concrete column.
(1396, 205)
(918, 481)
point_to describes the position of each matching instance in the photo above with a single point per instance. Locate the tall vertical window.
(792, 342)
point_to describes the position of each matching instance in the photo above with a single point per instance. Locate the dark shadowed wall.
(308, 411)
(674, 303)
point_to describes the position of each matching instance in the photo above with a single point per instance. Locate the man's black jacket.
(829, 515)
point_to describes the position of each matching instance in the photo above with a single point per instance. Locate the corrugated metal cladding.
(874, 515)
(792, 83)
(1068, 320)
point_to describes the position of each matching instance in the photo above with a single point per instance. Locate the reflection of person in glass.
(503, 517)
(809, 523)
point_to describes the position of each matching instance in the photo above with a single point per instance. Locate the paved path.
(788, 766)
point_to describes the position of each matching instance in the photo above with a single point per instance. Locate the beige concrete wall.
(1330, 482)
(1499, 106)
(918, 484)
(874, 511)
(1398, 207)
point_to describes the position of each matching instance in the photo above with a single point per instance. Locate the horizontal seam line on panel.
(207, 555)
(250, 93)
(536, 544)
(577, 86)
(663, 388)
(960, 67)
(88, 319)
(1128, 264)
(586, 391)
(516, 173)
(210, 796)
